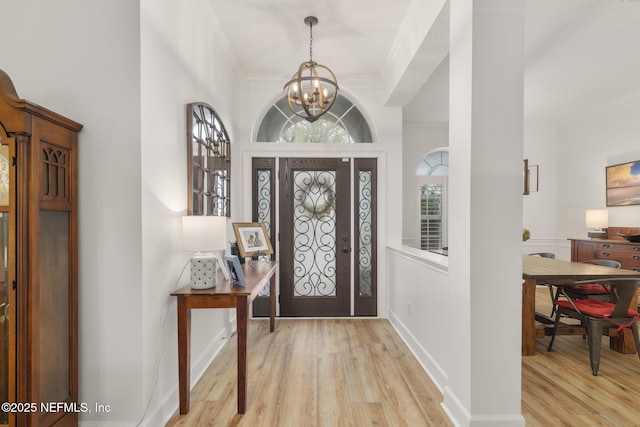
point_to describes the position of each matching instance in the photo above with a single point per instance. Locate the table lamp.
(597, 220)
(202, 234)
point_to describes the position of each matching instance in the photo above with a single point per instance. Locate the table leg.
(528, 317)
(184, 353)
(272, 303)
(623, 342)
(242, 316)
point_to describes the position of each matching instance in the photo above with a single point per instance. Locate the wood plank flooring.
(558, 388)
(318, 373)
(358, 372)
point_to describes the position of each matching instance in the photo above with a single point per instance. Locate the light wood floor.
(360, 373)
(318, 373)
(558, 388)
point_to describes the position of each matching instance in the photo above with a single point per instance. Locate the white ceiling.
(582, 56)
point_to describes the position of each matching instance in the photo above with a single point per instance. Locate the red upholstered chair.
(596, 315)
(588, 290)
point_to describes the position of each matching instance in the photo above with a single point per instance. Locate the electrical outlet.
(409, 307)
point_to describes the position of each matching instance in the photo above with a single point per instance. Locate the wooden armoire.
(39, 264)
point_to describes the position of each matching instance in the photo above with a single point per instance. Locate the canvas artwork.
(623, 184)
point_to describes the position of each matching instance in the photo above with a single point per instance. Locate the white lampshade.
(597, 219)
(204, 233)
(201, 234)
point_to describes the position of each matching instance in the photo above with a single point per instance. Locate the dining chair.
(552, 256)
(544, 254)
(596, 315)
(589, 290)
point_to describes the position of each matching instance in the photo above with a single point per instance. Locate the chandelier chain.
(311, 41)
(313, 88)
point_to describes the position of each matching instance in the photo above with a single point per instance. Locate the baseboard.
(460, 417)
(166, 408)
(428, 363)
(456, 412)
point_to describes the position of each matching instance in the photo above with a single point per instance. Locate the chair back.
(603, 262)
(544, 254)
(624, 289)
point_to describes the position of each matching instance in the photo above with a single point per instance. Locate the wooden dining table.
(538, 271)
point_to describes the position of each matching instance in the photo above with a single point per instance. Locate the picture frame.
(235, 270)
(623, 184)
(252, 239)
(530, 175)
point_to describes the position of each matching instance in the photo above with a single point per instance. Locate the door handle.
(346, 250)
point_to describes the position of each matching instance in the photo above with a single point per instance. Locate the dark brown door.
(315, 237)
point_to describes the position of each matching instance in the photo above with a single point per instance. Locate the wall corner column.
(485, 205)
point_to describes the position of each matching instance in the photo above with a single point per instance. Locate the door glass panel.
(365, 237)
(263, 203)
(4, 175)
(314, 213)
(263, 199)
(54, 306)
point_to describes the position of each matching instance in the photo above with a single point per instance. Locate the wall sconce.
(200, 234)
(597, 220)
(530, 178)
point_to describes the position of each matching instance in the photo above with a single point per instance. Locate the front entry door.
(315, 237)
(325, 234)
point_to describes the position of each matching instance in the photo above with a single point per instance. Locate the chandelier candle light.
(313, 88)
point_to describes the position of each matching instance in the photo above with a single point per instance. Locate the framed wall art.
(623, 184)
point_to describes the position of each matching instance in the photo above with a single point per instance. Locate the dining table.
(539, 271)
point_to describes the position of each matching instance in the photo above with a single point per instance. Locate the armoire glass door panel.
(4, 315)
(54, 314)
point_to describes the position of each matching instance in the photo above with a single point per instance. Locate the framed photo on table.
(252, 239)
(235, 270)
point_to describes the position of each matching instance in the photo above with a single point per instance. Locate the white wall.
(586, 148)
(419, 306)
(126, 70)
(477, 370)
(183, 60)
(540, 209)
(81, 59)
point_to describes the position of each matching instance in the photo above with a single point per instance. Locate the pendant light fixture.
(313, 88)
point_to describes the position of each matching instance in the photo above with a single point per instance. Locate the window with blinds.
(431, 200)
(431, 209)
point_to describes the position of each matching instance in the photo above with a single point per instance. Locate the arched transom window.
(344, 123)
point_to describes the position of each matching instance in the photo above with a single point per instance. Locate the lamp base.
(597, 234)
(203, 271)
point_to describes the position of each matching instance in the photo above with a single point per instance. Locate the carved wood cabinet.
(613, 247)
(38, 278)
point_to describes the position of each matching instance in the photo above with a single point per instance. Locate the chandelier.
(313, 88)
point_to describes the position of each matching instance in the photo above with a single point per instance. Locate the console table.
(224, 295)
